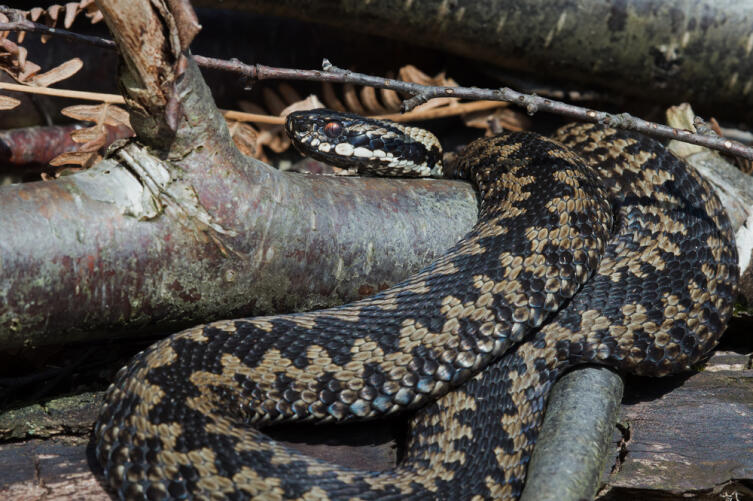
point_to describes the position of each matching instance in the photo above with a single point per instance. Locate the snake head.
(377, 147)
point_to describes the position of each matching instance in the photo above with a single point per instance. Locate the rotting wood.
(689, 436)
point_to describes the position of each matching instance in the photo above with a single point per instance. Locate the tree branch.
(19, 23)
(422, 93)
(532, 103)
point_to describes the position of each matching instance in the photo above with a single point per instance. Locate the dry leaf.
(252, 141)
(8, 103)
(13, 61)
(61, 72)
(365, 100)
(93, 138)
(310, 103)
(329, 96)
(351, 99)
(245, 139)
(104, 113)
(493, 121)
(369, 99)
(391, 99)
(53, 11)
(71, 11)
(35, 13)
(272, 101)
(83, 158)
(288, 93)
(89, 134)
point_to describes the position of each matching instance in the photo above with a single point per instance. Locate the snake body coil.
(628, 263)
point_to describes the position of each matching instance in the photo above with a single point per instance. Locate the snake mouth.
(297, 126)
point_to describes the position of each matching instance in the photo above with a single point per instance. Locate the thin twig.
(422, 93)
(241, 116)
(71, 94)
(532, 103)
(21, 24)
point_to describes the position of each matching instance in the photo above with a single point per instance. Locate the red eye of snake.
(333, 129)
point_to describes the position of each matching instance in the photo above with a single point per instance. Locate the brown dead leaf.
(288, 93)
(370, 101)
(58, 73)
(104, 113)
(92, 11)
(365, 100)
(391, 99)
(493, 121)
(310, 103)
(89, 134)
(250, 107)
(84, 159)
(53, 11)
(8, 103)
(351, 99)
(13, 61)
(71, 11)
(272, 101)
(253, 141)
(245, 139)
(35, 13)
(276, 141)
(93, 138)
(329, 97)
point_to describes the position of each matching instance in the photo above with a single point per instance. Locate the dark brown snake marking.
(177, 421)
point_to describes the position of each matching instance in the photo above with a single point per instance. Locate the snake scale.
(606, 250)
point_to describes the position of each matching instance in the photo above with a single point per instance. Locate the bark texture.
(671, 50)
(191, 230)
(575, 438)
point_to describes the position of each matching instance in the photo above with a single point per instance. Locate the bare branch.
(532, 103)
(422, 93)
(19, 23)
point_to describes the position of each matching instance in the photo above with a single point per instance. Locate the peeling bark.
(195, 231)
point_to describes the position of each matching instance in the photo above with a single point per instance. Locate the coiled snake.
(629, 262)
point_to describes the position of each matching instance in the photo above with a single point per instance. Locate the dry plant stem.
(71, 94)
(243, 116)
(422, 93)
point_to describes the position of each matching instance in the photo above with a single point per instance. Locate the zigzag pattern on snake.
(606, 251)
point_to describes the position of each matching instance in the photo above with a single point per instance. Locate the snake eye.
(333, 129)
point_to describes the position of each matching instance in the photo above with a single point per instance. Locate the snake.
(594, 246)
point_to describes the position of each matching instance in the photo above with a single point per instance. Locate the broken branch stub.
(190, 230)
